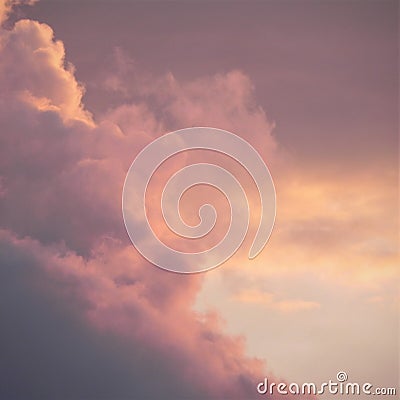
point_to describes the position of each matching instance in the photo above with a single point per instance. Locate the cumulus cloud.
(93, 330)
(33, 67)
(84, 315)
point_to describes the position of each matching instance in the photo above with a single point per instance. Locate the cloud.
(80, 329)
(268, 300)
(6, 7)
(33, 67)
(223, 100)
(84, 315)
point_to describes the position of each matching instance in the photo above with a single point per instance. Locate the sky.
(85, 85)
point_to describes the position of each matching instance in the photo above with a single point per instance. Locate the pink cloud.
(140, 308)
(33, 66)
(64, 247)
(7, 5)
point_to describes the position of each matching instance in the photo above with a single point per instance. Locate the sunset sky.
(85, 85)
